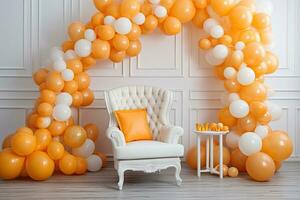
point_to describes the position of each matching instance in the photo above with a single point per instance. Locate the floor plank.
(102, 185)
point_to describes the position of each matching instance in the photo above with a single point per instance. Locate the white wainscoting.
(30, 27)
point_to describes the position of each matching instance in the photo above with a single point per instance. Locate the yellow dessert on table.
(211, 127)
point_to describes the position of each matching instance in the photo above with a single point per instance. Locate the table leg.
(207, 152)
(211, 149)
(221, 155)
(198, 155)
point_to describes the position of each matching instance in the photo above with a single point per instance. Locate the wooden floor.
(102, 185)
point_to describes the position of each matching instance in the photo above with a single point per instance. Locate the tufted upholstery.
(156, 100)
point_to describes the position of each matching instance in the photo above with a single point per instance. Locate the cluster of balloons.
(238, 36)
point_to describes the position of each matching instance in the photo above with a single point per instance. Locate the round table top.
(211, 132)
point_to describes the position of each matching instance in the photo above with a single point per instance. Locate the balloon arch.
(238, 33)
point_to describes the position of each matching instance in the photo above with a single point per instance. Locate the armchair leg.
(177, 174)
(121, 179)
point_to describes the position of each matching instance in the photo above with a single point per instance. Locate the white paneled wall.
(30, 27)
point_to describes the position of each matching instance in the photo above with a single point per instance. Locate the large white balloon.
(229, 72)
(220, 51)
(59, 65)
(209, 24)
(250, 143)
(275, 110)
(61, 112)
(90, 34)
(232, 140)
(245, 76)
(139, 19)
(210, 59)
(160, 11)
(94, 163)
(108, 20)
(85, 150)
(64, 98)
(70, 54)
(83, 47)
(155, 2)
(262, 131)
(122, 25)
(56, 54)
(67, 75)
(239, 108)
(217, 31)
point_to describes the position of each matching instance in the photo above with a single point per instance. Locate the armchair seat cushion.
(146, 149)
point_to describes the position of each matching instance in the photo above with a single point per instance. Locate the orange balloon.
(70, 122)
(120, 42)
(77, 99)
(249, 36)
(103, 158)
(23, 143)
(278, 165)
(102, 4)
(146, 8)
(266, 36)
(265, 118)
(226, 40)
(222, 7)
(261, 20)
(68, 164)
(226, 155)
(39, 166)
(258, 109)
(204, 44)
(70, 86)
(87, 97)
(260, 69)
(75, 65)
(47, 96)
(226, 118)
(76, 31)
(43, 138)
(272, 62)
(134, 48)
(74, 136)
(238, 160)
(67, 45)
(200, 3)
(92, 131)
(254, 92)
(184, 10)
(247, 123)
(240, 17)
(254, 54)
(236, 59)
(172, 26)
(25, 129)
(191, 157)
(55, 150)
(231, 85)
(45, 109)
(113, 9)
(278, 145)
(31, 119)
(57, 128)
(260, 166)
(129, 8)
(55, 82)
(117, 56)
(134, 33)
(97, 19)
(248, 3)
(7, 141)
(100, 49)
(81, 165)
(11, 164)
(41, 122)
(150, 24)
(224, 168)
(87, 62)
(200, 17)
(83, 80)
(219, 72)
(167, 3)
(40, 76)
(105, 32)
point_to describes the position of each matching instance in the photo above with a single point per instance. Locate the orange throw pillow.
(134, 124)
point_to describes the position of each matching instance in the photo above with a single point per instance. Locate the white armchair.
(148, 156)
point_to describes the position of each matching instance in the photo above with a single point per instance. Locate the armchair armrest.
(170, 134)
(116, 136)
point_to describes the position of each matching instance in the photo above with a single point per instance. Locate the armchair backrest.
(157, 101)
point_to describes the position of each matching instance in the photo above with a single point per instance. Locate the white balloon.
(70, 54)
(261, 131)
(245, 76)
(139, 19)
(274, 109)
(233, 97)
(61, 112)
(217, 31)
(250, 143)
(224, 99)
(59, 65)
(240, 45)
(209, 24)
(154, 1)
(210, 59)
(239, 108)
(122, 25)
(108, 20)
(90, 34)
(229, 72)
(232, 140)
(94, 163)
(83, 47)
(64, 98)
(220, 51)
(67, 75)
(56, 54)
(264, 6)
(160, 11)
(85, 150)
